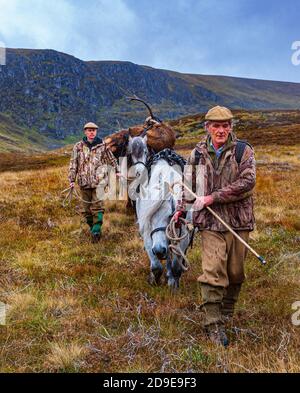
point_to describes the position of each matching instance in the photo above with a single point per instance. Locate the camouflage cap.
(91, 125)
(219, 113)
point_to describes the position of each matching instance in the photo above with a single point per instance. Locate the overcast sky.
(250, 38)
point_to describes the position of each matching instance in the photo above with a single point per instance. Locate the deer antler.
(145, 103)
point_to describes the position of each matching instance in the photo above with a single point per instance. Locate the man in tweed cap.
(225, 169)
(88, 158)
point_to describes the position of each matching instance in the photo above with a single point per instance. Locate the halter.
(160, 229)
(163, 229)
(140, 162)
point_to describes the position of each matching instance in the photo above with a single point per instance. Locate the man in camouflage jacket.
(225, 182)
(88, 164)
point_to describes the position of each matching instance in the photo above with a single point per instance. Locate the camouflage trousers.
(92, 206)
(223, 258)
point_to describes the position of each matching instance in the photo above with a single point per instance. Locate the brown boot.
(229, 300)
(217, 335)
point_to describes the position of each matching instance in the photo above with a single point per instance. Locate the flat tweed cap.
(219, 113)
(91, 125)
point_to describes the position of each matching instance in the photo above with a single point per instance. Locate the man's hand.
(72, 185)
(202, 202)
(179, 214)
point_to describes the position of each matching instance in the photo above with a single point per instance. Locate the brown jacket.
(88, 163)
(231, 185)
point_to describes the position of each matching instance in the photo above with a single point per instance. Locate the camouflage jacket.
(231, 185)
(89, 163)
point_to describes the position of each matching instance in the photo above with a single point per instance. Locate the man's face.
(90, 133)
(219, 132)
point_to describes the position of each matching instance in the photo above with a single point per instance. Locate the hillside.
(257, 127)
(53, 94)
(80, 307)
(14, 138)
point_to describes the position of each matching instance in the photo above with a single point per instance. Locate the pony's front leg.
(173, 279)
(156, 267)
(175, 265)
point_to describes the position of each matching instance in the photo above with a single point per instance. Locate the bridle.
(140, 163)
(160, 229)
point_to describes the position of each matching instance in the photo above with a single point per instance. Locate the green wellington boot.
(97, 228)
(89, 221)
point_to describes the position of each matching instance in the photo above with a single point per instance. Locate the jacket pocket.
(241, 213)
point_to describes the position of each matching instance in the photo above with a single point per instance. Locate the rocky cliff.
(54, 94)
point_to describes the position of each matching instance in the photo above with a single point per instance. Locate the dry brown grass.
(76, 306)
(66, 357)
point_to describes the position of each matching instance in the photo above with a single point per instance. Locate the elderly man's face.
(219, 132)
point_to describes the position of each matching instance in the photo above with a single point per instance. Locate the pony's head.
(138, 150)
(156, 207)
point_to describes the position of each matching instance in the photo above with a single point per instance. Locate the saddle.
(168, 155)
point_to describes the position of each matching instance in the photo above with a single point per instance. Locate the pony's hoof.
(151, 279)
(155, 277)
(173, 284)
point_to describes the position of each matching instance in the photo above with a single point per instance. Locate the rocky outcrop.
(55, 94)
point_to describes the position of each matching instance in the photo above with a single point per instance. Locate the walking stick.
(259, 257)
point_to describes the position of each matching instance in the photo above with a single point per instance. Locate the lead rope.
(173, 235)
(72, 192)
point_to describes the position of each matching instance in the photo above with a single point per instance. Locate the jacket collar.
(97, 141)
